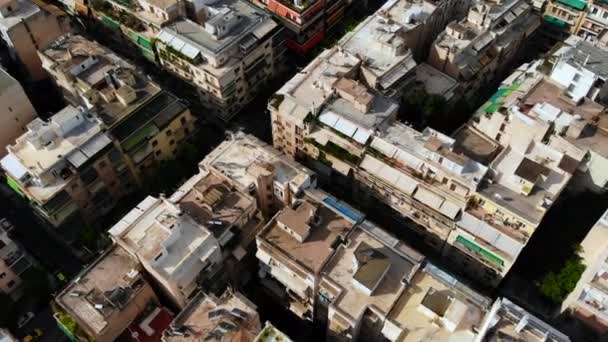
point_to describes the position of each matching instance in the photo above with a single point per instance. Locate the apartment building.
(594, 21)
(148, 124)
(14, 261)
(565, 16)
(481, 47)
(107, 296)
(508, 321)
(230, 317)
(254, 167)
(16, 108)
(307, 21)
(298, 242)
(67, 167)
(225, 51)
(25, 29)
(149, 326)
(562, 106)
(137, 21)
(183, 240)
(433, 183)
(588, 301)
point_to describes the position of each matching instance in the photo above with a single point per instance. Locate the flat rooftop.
(511, 322)
(436, 82)
(474, 144)
(435, 292)
(234, 157)
(212, 202)
(318, 247)
(350, 300)
(158, 234)
(67, 141)
(250, 20)
(505, 188)
(115, 275)
(380, 39)
(25, 10)
(551, 93)
(232, 317)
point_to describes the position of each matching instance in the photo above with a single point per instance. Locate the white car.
(25, 319)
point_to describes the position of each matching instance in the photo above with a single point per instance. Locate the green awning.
(480, 250)
(144, 42)
(492, 107)
(110, 22)
(13, 184)
(137, 137)
(555, 21)
(576, 4)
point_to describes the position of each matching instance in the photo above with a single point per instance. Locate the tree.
(557, 286)
(423, 109)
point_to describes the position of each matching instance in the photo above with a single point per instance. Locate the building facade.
(67, 167)
(587, 302)
(14, 261)
(107, 297)
(25, 29)
(478, 49)
(147, 123)
(17, 108)
(226, 54)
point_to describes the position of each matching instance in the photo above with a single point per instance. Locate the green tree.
(557, 286)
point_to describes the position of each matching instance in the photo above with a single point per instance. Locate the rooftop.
(325, 228)
(271, 334)
(157, 232)
(436, 82)
(24, 10)
(386, 286)
(508, 321)
(6, 80)
(212, 202)
(103, 289)
(437, 307)
(474, 144)
(232, 317)
(381, 40)
(228, 23)
(118, 88)
(63, 144)
(234, 157)
(538, 162)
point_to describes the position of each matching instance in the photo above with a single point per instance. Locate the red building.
(150, 326)
(307, 20)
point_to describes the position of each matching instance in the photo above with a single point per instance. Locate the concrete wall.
(16, 111)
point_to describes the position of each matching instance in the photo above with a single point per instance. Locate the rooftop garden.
(336, 151)
(117, 14)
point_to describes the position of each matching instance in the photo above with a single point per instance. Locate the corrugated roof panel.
(449, 209)
(406, 184)
(408, 159)
(95, 144)
(488, 233)
(329, 118)
(190, 51)
(362, 136)
(469, 223)
(77, 158)
(13, 166)
(508, 245)
(426, 197)
(384, 147)
(177, 44)
(345, 127)
(165, 37)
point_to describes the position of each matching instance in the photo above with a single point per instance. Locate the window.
(169, 133)
(157, 153)
(10, 284)
(10, 109)
(577, 77)
(183, 120)
(571, 88)
(154, 143)
(172, 142)
(2, 275)
(102, 164)
(186, 131)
